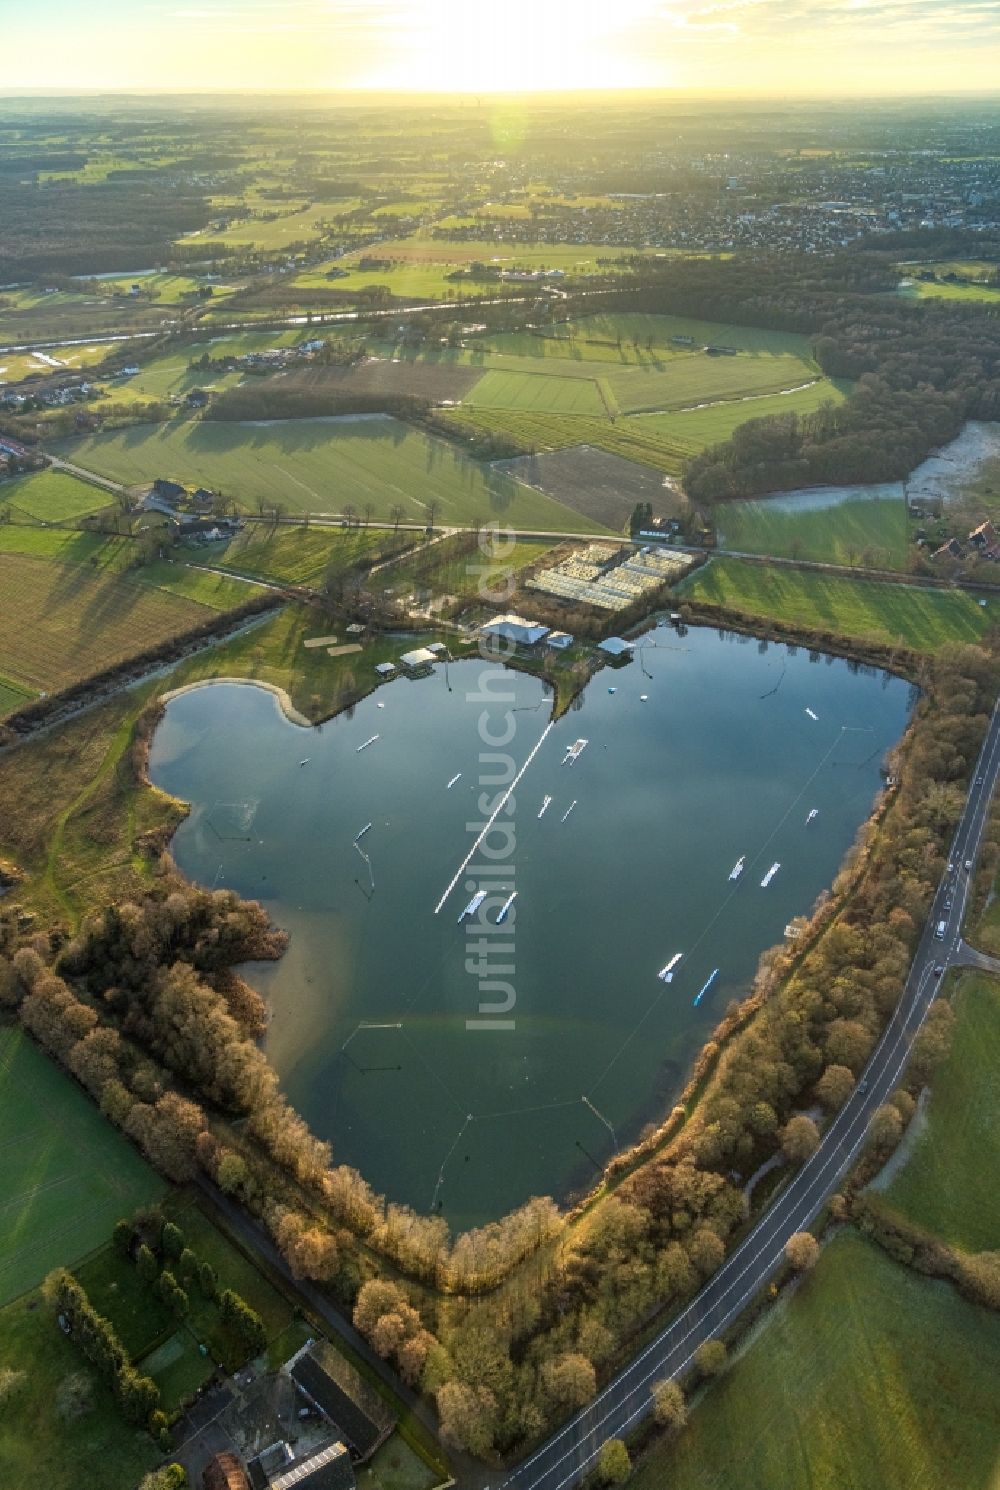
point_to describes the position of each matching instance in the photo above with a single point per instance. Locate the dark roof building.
(167, 490)
(331, 1384)
(326, 1468)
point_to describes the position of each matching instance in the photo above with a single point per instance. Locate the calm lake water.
(371, 1002)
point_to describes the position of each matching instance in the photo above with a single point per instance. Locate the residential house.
(225, 1472)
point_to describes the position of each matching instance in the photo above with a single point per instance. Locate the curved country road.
(570, 1454)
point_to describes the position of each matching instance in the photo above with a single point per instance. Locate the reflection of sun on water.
(476, 45)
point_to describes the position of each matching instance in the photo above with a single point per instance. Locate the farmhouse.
(514, 629)
(166, 491)
(985, 537)
(331, 1385)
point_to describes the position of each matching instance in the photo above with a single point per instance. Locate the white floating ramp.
(574, 751)
(366, 744)
(544, 807)
(451, 783)
(813, 815)
(812, 715)
(506, 907)
(364, 830)
(473, 905)
(569, 809)
(666, 974)
(769, 876)
(738, 867)
(702, 992)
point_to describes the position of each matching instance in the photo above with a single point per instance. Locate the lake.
(468, 1099)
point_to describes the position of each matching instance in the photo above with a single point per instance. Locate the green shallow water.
(372, 1001)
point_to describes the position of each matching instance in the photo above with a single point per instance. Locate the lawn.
(66, 1174)
(97, 1451)
(51, 497)
(874, 529)
(868, 1378)
(685, 382)
(67, 621)
(914, 616)
(702, 427)
(536, 391)
(299, 555)
(323, 465)
(949, 1181)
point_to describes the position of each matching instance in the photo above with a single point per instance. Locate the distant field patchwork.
(65, 1174)
(323, 466)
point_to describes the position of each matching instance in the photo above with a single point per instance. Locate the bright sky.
(476, 46)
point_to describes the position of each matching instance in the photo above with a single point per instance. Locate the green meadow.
(66, 1174)
(913, 616)
(949, 1181)
(868, 1377)
(323, 466)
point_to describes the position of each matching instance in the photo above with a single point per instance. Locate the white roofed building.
(516, 629)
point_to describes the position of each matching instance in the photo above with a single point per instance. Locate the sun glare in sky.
(468, 47)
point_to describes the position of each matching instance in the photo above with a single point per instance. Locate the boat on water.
(738, 867)
(569, 809)
(812, 715)
(452, 781)
(702, 991)
(473, 905)
(306, 761)
(666, 973)
(506, 907)
(813, 815)
(574, 751)
(544, 807)
(364, 830)
(769, 876)
(370, 741)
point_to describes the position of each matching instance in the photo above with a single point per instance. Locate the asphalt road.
(570, 1454)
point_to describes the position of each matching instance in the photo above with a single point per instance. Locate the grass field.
(917, 617)
(51, 497)
(322, 465)
(278, 233)
(684, 382)
(535, 391)
(873, 529)
(298, 555)
(699, 428)
(931, 290)
(948, 1183)
(645, 340)
(463, 575)
(628, 438)
(65, 1174)
(172, 373)
(868, 1378)
(94, 1452)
